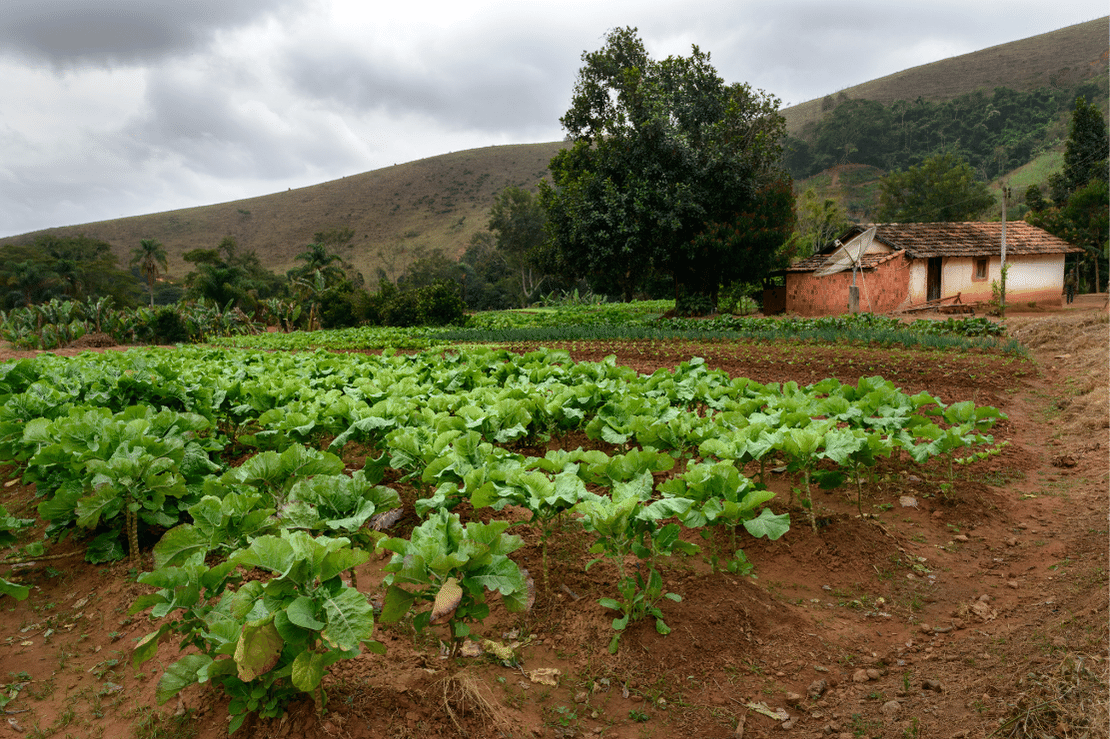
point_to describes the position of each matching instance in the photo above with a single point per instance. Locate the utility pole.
(1003, 267)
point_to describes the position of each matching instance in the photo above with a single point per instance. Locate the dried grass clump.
(1070, 702)
(464, 693)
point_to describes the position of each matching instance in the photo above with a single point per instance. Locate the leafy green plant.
(625, 523)
(453, 567)
(724, 496)
(546, 498)
(265, 643)
(10, 526)
(96, 467)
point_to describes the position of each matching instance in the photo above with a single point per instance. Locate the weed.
(156, 725)
(638, 716)
(561, 716)
(862, 726)
(41, 689)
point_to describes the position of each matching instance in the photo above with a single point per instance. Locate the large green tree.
(668, 167)
(1085, 153)
(85, 267)
(230, 274)
(820, 220)
(943, 189)
(1078, 213)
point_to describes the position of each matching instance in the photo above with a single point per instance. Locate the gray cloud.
(167, 105)
(69, 33)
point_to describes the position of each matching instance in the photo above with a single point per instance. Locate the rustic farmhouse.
(906, 265)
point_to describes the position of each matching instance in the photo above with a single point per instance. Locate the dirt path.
(943, 614)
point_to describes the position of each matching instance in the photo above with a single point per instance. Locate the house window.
(980, 269)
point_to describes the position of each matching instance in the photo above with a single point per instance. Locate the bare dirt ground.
(980, 612)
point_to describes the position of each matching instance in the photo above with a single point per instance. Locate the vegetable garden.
(283, 512)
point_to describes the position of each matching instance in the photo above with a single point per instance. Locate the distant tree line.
(994, 132)
(1076, 207)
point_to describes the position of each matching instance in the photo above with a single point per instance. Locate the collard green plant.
(723, 496)
(10, 526)
(628, 522)
(263, 644)
(219, 525)
(453, 567)
(96, 467)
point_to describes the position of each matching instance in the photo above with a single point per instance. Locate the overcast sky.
(114, 108)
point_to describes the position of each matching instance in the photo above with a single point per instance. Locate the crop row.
(119, 441)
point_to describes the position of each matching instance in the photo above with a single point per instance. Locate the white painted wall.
(919, 274)
(1041, 273)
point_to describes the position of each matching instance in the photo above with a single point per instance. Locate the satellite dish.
(848, 256)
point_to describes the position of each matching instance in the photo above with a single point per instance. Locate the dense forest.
(995, 132)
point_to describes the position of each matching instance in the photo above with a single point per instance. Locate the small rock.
(788, 725)
(938, 514)
(926, 628)
(873, 674)
(817, 689)
(891, 709)
(581, 696)
(961, 537)
(1012, 584)
(860, 676)
(931, 684)
(794, 698)
(831, 728)
(984, 598)
(908, 501)
(913, 478)
(1012, 541)
(961, 734)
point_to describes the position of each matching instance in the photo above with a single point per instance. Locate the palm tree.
(150, 257)
(318, 260)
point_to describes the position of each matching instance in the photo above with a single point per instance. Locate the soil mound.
(95, 340)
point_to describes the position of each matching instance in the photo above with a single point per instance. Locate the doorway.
(932, 282)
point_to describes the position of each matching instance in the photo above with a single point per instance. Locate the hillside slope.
(434, 203)
(1061, 57)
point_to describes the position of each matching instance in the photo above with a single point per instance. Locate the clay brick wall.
(880, 291)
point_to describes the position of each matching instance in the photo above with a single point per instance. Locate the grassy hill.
(1059, 58)
(396, 213)
(400, 212)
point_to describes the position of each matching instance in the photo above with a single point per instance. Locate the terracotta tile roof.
(923, 240)
(812, 264)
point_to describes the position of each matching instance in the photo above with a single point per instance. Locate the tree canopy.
(943, 189)
(517, 222)
(75, 267)
(1078, 212)
(671, 172)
